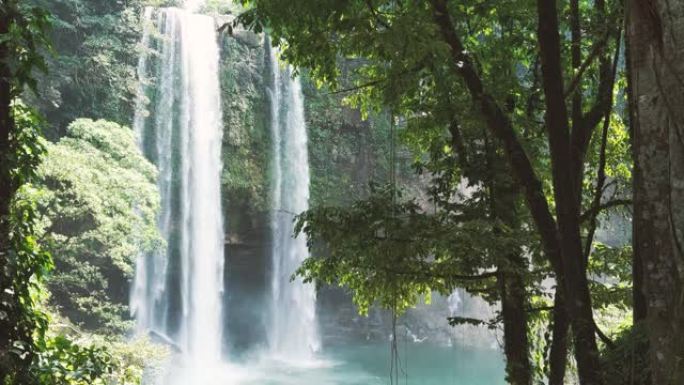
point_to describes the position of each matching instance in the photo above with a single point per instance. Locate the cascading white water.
(204, 257)
(177, 293)
(293, 334)
(143, 297)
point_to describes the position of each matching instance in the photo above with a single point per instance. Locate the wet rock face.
(248, 39)
(246, 143)
(247, 293)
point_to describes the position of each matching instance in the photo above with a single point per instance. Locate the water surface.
(365, 364)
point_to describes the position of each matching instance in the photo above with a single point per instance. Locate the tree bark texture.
(558, 354)
(656, 65)
(566, 187)
(512, 267)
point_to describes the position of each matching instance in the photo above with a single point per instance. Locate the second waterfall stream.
(293, 333)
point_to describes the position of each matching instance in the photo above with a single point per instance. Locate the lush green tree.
(54, 354)
(22, 34)
(98, 201)
(30, 352)
(64, 362)
(68, 356)
(535, 80)
(92, 68)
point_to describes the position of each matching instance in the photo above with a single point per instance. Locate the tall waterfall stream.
(293, 332)
(178, 295)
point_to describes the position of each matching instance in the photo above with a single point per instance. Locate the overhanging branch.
(604, 206)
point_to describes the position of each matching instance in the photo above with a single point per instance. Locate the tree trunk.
(565, 186)
(558, 355)
(638, 298)
(511, 278)
(514, 313)
(656, 63)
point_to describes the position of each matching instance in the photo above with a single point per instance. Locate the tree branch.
(375, 14)
(456, 277)
(604, 206)
(567, 187)
(226, 26)
(585, 126)
(576, 57)
(601, 177)
(578, 130)
(459, 146)
(372, 83)
(596, 50)
(540, 309)
(455, 321)
(606, 340)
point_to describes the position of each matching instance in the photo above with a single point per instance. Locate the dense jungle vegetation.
(529, 152)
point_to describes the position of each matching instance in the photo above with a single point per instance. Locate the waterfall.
(293, 333)
(177, 293)
(143, 295)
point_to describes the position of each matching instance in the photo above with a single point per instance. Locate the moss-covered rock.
(346, 152)
(246, 142)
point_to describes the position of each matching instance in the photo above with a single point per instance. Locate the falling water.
(177, 293)
(293, 334)
(454, 302)
(144, 296)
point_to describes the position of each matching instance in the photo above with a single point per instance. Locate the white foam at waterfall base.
(357, 364)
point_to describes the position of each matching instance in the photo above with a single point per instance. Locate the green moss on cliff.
(346, 152)
(246, 140)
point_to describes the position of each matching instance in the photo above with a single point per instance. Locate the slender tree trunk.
(558, 355)
(503, 197)
(512, 269)
(656, 63)
(638, 297)
(514, 313)
(576, 285)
